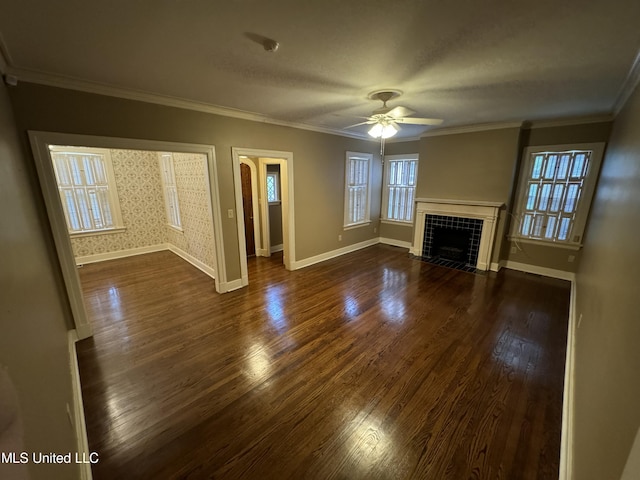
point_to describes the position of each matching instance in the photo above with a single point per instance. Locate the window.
(357, 194)
(167, 171)
(555, 191)
(273, 187)
(87, 189)
(400, 177)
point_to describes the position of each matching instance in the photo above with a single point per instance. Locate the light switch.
(230, 213)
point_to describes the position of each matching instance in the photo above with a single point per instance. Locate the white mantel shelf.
(485, 211)
(447, 201)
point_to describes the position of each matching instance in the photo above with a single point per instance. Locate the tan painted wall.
(33, 326)
(607, 362)
(470, 166)
(196, 239)
(541, 255)
(137, 175)
(318, 158)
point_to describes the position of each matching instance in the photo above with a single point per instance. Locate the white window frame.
(276, 177)
(581, 213)
(409, 204)
(112, 191)
(170, 190)
(353, 186)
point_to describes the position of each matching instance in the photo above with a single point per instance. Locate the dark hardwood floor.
(373, 365)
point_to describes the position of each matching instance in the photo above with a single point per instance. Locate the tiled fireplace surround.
(456, 214)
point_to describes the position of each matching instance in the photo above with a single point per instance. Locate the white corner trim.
(481, 127)
(568, 411)
(71, 83)
(79, 422)
(394, 242)
(203, 267)
(277, 248)
(629, 85)
(333, 253)
(101, 257)
(544, 271)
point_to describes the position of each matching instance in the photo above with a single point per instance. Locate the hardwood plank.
(373, 365)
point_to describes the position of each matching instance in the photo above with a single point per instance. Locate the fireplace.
(455, 232)
(451, 244)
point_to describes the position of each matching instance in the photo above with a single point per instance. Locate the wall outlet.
(514, 249)
(230, 213)
(571, 258)
(339, 238)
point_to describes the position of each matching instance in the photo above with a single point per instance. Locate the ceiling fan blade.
(400, 112)
(420, 121)
(369, 122)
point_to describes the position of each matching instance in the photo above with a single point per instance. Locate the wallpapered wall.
(193, 194)
(139, 187)
(141, 198)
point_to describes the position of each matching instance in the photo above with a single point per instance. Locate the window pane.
(551, 227)
(526, 224)
(537, 166)
(558, 190)
(563, 167)
(565, 223)
(572, 198)
(550, 170)
(544, 196)
(531, 200)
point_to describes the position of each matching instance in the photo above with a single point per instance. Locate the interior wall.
(471, 166)
(35, 316)
(541, 255)
(607, 357)
(196, 237)
(275, 214)
(318, 166)
(137, 176)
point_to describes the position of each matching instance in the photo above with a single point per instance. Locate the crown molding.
(32, 76)
(470, 129)
(563, 122)
(402, 139)
(629, 85)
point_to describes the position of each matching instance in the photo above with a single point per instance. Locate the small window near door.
(87, 189)
(273, 188)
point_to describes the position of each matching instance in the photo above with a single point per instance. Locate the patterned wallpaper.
(141, 198)
(195, 212)
(142, 204)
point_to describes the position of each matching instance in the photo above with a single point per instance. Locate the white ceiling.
(466, 61)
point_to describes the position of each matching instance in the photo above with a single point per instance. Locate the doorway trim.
(40, 142)
(254, 205)
(288, 216)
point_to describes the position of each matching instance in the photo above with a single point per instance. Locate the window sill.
(274, 203)
(544, 243)
(397, 222)
(90, 233)
(177, 229)
(357, 225)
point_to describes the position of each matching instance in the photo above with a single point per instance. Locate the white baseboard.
(394, 242)
(192, 260)
(79, 422)
(102, 257)
(332, 254)
(261, 252)
(232, 285)
(547, 272)
(277, 248)
(496, 266)
(566, 441)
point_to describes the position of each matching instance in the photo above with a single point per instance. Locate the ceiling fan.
(385, 120)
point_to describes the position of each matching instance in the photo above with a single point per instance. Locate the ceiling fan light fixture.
(383, 130)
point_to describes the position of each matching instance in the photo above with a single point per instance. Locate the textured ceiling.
(467, 62)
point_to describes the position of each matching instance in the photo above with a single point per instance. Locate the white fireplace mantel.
(485, 211)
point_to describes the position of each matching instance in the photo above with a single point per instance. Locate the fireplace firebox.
(452, 241)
